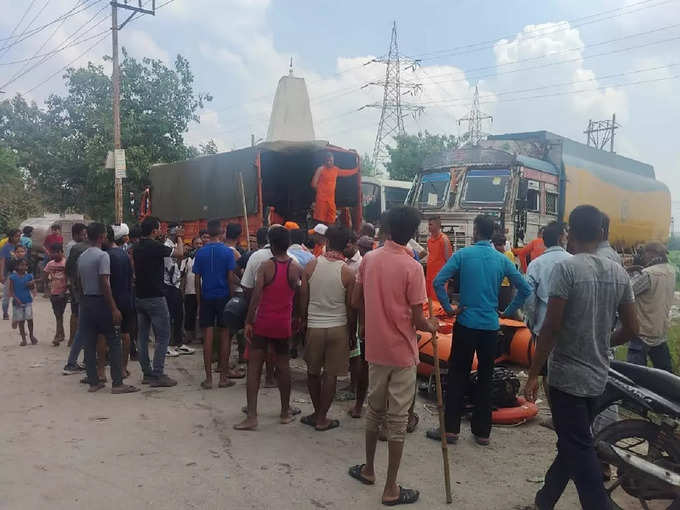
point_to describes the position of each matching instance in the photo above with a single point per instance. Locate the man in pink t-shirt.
(391, 285)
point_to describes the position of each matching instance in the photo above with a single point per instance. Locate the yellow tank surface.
(638, 206)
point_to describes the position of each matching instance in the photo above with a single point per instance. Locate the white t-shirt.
(171, 274)
(257, 258)
(355, 261)
(190, 282)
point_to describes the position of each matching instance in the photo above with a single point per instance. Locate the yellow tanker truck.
(530, 179)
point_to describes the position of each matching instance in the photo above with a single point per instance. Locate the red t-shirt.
(51, 240)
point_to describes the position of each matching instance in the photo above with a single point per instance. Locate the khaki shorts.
(390, 394)
(327, 349)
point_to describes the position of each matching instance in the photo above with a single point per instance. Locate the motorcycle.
(643, 444)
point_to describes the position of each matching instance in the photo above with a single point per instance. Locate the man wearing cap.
(324, 181)
(654, 286)
(318, 234)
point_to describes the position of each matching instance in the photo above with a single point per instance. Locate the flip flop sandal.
(226, 384)
(355, 472)
(406, 497)
(436, 435)
(125, 388)
(411, 427)
(334, 424)
(308, 420)
(96, 387)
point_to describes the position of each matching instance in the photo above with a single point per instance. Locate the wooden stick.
(245, 210)
(440, 409)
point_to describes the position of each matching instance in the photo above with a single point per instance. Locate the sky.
(538, 65)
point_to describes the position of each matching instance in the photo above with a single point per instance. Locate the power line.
(78, 2)
(67, 14)
(574, 23)
(62, 46)
(53, 52)
(97, 43)
(28, 9)
(561, 84)
(550, 64)
(103, 38)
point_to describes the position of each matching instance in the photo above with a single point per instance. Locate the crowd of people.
(354, 302)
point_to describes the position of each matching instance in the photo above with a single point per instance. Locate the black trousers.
(173, 296)
(190, 312)
(576, 457)
(467, 341)
(95, 318)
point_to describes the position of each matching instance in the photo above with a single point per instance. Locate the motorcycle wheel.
(644, 439)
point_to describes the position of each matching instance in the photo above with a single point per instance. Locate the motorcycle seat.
(660, 382)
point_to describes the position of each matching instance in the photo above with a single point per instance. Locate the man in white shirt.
(173, 295)
(539, 271)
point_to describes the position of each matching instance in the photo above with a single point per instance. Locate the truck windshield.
(433, 189)
(486, 186)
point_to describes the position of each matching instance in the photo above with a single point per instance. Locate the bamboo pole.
(440, 409)
(245, 210)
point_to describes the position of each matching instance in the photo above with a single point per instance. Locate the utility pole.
(119, 153)
(599, 133)
(474, 119)
(392, 108)
(115, 82)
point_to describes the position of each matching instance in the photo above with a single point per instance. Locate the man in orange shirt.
(534, 250)
(323, 182)
(438, 252)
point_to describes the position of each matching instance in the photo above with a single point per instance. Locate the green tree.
(407, 158)
(210, 147)
(368, 166)
(17, 202)
(64, 148)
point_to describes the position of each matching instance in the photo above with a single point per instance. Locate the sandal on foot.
(355, 472)
(96, 387)
(225, 384)
(207, 385)
(406, 497)
(124, 388)
(310, 420)
(333, 424)
(436, 435)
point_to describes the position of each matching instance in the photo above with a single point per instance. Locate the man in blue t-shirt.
(213, 266)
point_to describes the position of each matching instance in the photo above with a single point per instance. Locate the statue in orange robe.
(324, 182)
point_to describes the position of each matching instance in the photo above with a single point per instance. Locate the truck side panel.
(638, 207)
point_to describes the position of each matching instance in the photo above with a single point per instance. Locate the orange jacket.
(534, 250)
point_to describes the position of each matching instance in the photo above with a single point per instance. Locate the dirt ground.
(63, 448)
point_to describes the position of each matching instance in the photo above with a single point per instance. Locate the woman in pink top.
(268, 325)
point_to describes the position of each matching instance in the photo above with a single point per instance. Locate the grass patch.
(673, 345)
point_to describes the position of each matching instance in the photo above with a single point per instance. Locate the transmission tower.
(474, 119)
(393, 110)
(601, 132)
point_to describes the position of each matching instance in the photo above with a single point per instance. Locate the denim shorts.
(22, 312)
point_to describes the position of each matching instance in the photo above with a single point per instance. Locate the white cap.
(120, 231)
(321, 229)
